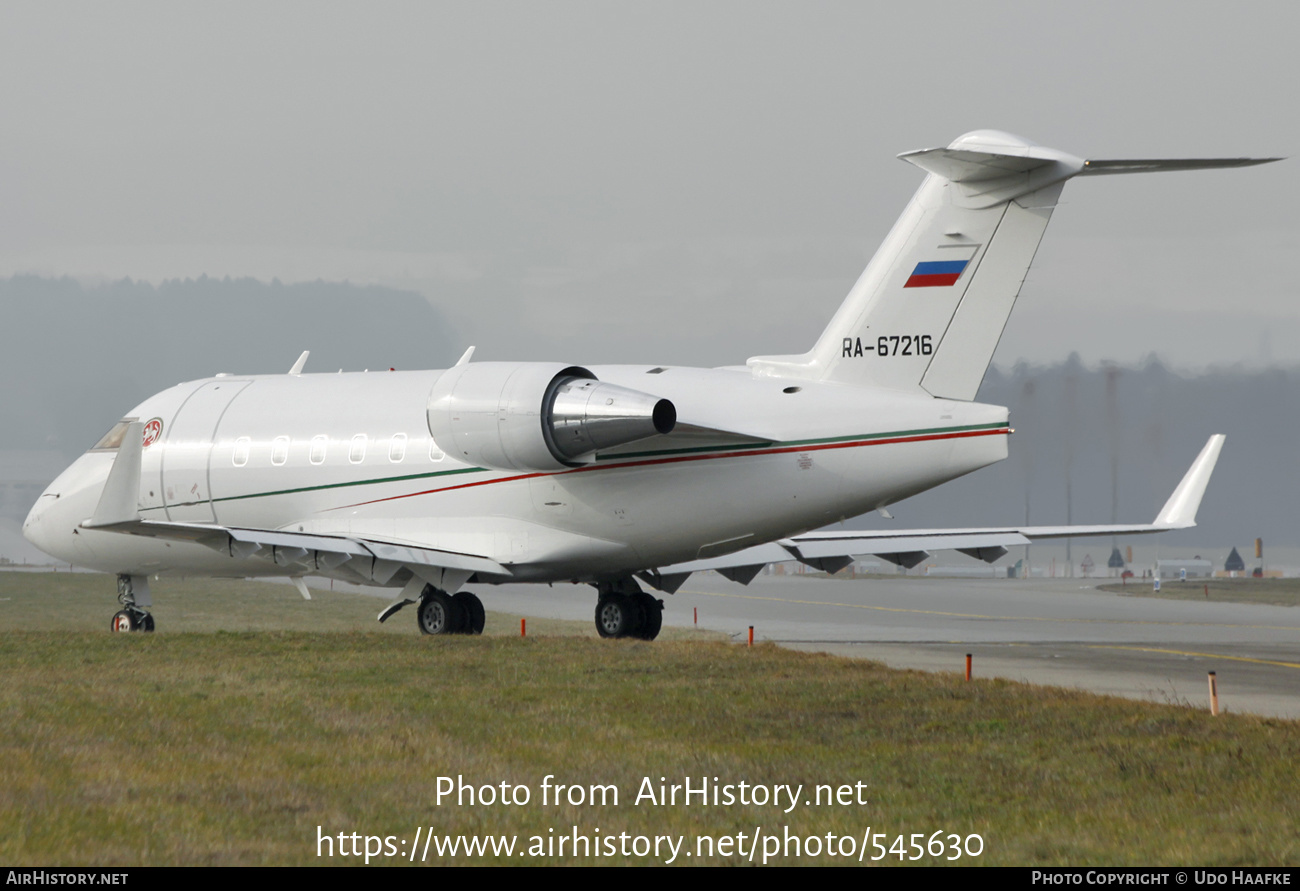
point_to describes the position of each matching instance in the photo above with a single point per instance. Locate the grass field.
(233, 747)
(1275, 592)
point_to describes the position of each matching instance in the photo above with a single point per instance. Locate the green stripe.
(370, 482)
(652, 454)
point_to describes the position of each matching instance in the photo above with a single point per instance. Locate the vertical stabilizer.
(929, 309)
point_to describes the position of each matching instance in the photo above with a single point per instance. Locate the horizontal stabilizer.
(1154, 165)
(964, 166)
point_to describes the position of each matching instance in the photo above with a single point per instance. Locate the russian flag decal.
(936, 274)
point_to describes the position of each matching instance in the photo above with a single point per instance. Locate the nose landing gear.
(132, 620)
(133, 593)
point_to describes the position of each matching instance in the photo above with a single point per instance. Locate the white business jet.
(492, 472)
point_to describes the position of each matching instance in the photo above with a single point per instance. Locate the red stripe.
(680, 458)
(933, 281)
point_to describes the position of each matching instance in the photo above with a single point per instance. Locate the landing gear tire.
(618, 615)
(131, 617)
(439, 614)
(132, 620)
(652, 609)
(472, 609)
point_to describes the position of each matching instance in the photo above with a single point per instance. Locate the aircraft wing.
(832, 551)
(374, 560)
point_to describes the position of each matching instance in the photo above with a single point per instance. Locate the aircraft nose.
(51, 524)
(36, 528)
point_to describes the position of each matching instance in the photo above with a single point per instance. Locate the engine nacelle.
(537, 415)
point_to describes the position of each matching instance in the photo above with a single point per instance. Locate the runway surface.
(1059, 632)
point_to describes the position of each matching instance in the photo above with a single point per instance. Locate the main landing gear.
(624, 610)
(441, 613)
(131, 617)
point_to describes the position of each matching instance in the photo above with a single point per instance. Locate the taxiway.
(1062, 632)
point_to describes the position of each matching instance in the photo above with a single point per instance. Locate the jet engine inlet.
(538, 416)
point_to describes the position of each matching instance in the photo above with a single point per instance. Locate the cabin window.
(397, 448)
(279, 450)
(111, 440)
(435, 453)
(317, 454)
(357, 453)
(240, 454)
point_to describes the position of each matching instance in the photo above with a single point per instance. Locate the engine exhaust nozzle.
(584, 415)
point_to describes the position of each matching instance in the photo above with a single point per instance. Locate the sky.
(688, 183)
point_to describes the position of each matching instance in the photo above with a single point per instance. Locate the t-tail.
(929, 309)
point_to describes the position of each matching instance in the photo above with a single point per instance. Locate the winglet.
(119, 502)
(1179, 511)
(297, 366)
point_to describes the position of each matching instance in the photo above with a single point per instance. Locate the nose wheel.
(134, 619)
(131, 617)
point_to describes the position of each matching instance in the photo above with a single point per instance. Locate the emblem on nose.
(152, 431)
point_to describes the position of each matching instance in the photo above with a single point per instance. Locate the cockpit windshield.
(113, 438)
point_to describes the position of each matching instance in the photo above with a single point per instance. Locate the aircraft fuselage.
(352, 454)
